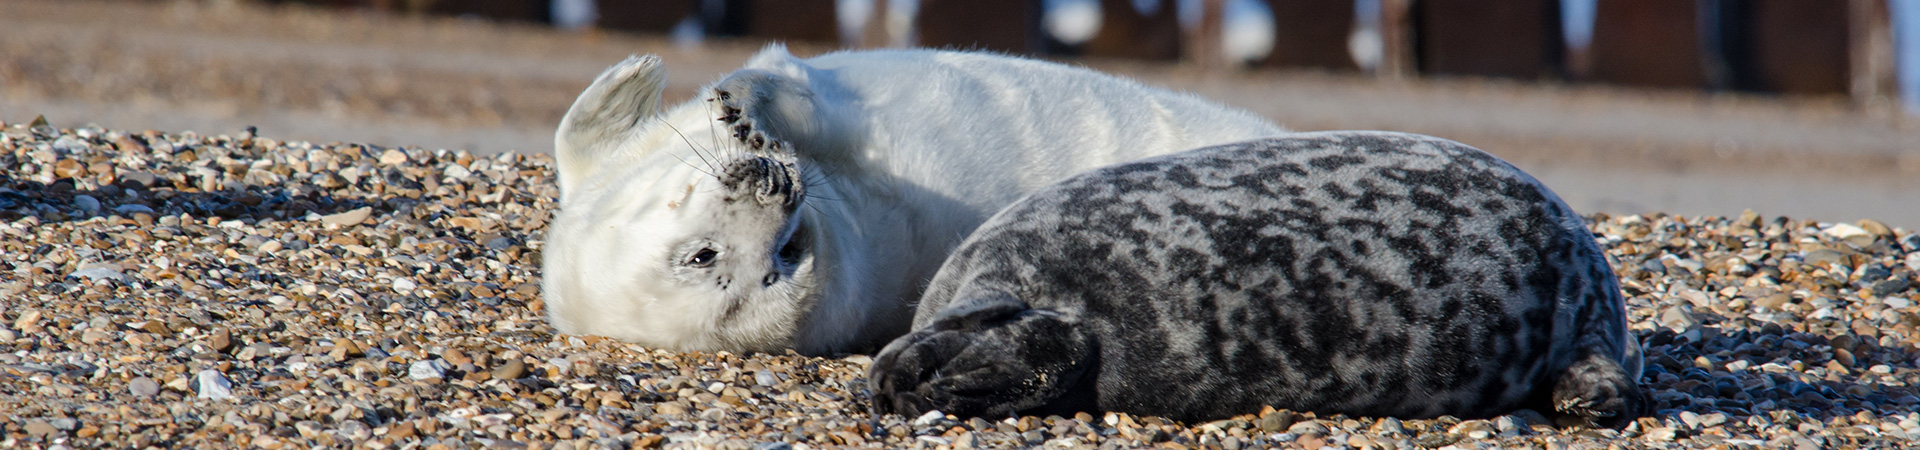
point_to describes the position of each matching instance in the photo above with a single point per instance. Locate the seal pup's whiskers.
(711, 169)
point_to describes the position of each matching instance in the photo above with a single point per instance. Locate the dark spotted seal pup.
(1361, 273)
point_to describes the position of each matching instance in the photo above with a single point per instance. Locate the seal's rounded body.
(803, 203)
(1358, 272)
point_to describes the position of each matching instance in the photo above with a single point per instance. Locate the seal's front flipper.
(1599, 391)
(986, 356)
(761, 108)
(778, 105)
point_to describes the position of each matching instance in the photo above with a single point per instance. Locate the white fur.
(903, 153)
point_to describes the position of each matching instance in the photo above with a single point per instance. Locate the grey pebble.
(131, 208)
(929, 418)
(69, 145)
(86, 203)
(1891, 286)
(1826, 256)
(213, 385)
(1655, 266)
(354, 430)
(501, 243)
(144, 179)
(99, 272)
(1510, 425)
(1277, 422)
(421, 370)
(1307, 427)
(1677, 318)
(143, 387)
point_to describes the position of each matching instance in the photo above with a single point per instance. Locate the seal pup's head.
(669, 234)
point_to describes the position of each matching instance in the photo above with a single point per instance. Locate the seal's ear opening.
(605, 115)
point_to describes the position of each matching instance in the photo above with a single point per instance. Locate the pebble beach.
(181, 290)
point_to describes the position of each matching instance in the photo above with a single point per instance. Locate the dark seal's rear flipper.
(984, 356)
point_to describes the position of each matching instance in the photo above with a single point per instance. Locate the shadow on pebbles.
(182, 290)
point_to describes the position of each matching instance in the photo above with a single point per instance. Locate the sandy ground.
(448, 83)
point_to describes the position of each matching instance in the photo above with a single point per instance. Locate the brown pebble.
(155, 327)
(68, 168)
(1311, 442)
(400, 430)
(129, 144)
(455, 357)
(512, 369)
(348, 218)
(220, 340)
(40, 428)
(347, 347)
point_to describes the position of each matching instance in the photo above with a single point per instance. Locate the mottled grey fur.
(1363, 273)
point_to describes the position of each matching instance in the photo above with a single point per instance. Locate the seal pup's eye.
(790, 254)
(703, 258)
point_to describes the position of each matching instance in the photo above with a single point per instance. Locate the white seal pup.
(1362, 273)
(803, 204)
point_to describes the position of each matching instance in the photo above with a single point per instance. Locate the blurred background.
(1803, 108)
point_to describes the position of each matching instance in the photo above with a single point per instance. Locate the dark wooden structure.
(1126, 32)
(792, 20)
(1650, 43)
(649, 16)
(1501, 38)
(1788, 46)
(538, 11)
(1000, 25)
(1311, 33)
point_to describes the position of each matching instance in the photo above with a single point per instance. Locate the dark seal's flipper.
(1598, 391)
(985, 356)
